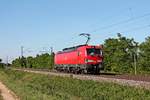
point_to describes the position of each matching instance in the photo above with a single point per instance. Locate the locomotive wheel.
(97, 70)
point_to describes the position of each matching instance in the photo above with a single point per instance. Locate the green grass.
(30, 86)
(1, 98)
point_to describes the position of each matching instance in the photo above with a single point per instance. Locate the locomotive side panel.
(81, 55)
(71, 57)
(66, 58)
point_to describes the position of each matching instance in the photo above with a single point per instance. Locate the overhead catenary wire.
(121, 22)
(107, 34)
(112, 16)
(137, 28)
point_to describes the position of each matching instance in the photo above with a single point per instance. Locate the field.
(30, 86)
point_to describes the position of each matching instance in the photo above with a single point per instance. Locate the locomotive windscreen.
(93, 51)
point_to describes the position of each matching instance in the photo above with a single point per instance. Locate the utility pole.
(135, 67)
(51, 50)
(6, 65)
(21, 51)
(7, 61)
(135, 54)
(52, 56)
(22, 56)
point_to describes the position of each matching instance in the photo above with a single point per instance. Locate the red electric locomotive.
(80, 59)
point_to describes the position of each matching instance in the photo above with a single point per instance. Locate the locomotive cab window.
(94, 51)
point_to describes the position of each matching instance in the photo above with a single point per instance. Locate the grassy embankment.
(1, 98)
(30, 86)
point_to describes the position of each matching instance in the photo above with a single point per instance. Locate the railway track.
(138, 81)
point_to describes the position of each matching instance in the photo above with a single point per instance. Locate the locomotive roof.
(71, 48)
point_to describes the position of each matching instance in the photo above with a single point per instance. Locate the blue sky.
(39, 24)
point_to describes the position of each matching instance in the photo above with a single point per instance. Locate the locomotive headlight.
(88, 60)
(91, 61)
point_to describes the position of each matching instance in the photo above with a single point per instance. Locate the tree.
(30, 61)
(1, 64)
(16, 62)
(118, 54)
(23, 62)
(144, 61)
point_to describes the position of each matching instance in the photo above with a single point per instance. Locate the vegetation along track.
(130, 80)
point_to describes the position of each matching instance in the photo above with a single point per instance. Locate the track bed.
(142, 81)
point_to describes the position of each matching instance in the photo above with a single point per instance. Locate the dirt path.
(6, 93)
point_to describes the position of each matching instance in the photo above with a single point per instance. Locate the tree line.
(40, 61)
(121, 54)
(125, 55)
